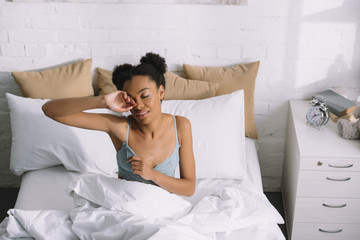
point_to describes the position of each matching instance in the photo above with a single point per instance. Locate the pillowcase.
(71, 80)
(218, 133)
(104, 81)
(39, 142)
(143, 200)
(232, 78)
(217, 128)
(176, 86)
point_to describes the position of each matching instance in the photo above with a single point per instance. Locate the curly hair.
(152, 65)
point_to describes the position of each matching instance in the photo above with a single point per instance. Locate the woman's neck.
(150, 130)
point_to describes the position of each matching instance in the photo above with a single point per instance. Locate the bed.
(47, 189)
(69, 188)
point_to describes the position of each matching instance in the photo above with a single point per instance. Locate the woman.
(149, 144)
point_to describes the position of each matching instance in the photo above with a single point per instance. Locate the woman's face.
(147, 97)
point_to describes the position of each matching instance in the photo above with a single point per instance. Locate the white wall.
(304, 46)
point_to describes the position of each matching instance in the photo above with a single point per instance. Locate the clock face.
(315, 116)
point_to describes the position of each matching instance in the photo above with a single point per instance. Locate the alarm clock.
(318, 114)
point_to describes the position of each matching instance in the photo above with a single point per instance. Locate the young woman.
(149, 144)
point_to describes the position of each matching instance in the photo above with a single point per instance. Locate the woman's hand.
(141, 167)
(119, 101)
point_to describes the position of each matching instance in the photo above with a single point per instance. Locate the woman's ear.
(161, 92)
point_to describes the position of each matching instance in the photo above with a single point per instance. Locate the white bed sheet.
(47, 189)
(220, 208)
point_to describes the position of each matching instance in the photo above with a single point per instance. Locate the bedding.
(104, 81)
(222, 116)
(41, 142)
(241, 76)
(70, 189)
(70, 80)
(48, 188)
(228, 211)
(177, 88)
(71, 201)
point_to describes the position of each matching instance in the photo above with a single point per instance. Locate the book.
(336, 103)
(348, 117)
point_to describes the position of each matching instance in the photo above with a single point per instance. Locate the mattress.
(47, 189)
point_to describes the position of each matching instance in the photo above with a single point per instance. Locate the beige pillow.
(104, 81)
(176, 86)
(232, 78)
(71, 80)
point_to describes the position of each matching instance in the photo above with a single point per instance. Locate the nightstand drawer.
(327, 210)
(314, 231)
(329, 184)
(330, 164)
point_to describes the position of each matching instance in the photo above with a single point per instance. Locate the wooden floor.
(8, 198)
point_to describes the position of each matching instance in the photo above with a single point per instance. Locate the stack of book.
(339, 106)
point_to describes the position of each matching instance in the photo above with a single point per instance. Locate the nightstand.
(321, 180)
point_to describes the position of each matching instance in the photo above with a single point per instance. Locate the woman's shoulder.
(182, 120)
(183, 127)
(182, 123)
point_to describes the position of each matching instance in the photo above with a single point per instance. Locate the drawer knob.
(319, 163)
(330, 231)
(334, 206)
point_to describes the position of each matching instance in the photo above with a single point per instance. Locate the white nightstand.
(321, 180)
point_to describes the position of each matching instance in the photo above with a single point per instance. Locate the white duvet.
(109, 208)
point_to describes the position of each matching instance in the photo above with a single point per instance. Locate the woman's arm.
(70, 110)
(186, 184)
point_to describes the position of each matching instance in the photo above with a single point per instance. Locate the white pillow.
(140, 199)
(39, 142)
(218, 133)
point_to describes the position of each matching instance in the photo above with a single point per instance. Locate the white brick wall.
(304, 46)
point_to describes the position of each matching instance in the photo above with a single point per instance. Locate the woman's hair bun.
(156, 60)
